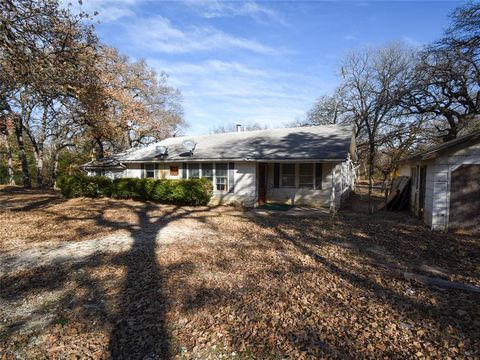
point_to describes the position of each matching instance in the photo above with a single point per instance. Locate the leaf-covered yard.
(103, 278)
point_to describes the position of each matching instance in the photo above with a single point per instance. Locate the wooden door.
(421, 191)
(262, 183)
(464, 213)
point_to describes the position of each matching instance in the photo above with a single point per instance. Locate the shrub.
(130, 188)
(179, 192)
(82, 185)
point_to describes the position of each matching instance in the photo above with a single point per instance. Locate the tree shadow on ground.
(134, 312)
(142, 299)
(267, 287)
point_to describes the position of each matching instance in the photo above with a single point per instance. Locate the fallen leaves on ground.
(227, 284)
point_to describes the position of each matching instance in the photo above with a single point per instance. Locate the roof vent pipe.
(239, 127)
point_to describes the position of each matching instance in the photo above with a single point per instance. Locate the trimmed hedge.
(179, 192)
(82, 185)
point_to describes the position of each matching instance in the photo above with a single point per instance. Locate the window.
(221, 176)
(305, 176)
(193, 171)
(207, 171)
(288, 175)
(173, 170)
(149, 170)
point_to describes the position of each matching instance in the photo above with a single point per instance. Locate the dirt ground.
(104, 278)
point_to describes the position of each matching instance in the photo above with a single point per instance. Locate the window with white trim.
(221, 176)
(288, 175)
(193, 171)
(305, 177)
(150, 171)
(207, 171)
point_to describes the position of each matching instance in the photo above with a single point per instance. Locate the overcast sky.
(265, 62)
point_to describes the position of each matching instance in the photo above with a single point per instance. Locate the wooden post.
(332, 196)
(386, 196)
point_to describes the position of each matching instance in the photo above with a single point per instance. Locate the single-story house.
(305, 165)
(445, 184)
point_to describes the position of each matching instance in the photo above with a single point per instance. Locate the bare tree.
(6, 130)
(465, 28)
(372, 83)
(446, 78)
(325, 111)
(400, 138)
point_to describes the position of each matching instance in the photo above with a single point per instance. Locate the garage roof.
(433, 151)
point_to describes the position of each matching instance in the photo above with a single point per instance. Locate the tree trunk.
(39, 159)
(38, 145)
(101, 151)
(452, 134)
(11, 179)
(6, 135)
(371, 161)
(18, 126)
(55, 168)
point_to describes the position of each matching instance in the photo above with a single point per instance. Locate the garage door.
(465, 199)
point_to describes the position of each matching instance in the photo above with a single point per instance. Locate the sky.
(258, 61)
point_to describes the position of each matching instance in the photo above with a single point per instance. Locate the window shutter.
(276, 175)
(184, 170)
(142, 172)
(156, 170)
(318, 176)
(231, 177)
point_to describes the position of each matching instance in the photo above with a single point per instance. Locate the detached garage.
(445, 184)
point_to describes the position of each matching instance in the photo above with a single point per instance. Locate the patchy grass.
(101, 278)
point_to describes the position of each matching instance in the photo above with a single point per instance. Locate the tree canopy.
(398, 98)
(61, 90)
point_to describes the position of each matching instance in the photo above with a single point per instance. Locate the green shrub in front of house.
(179, 192)
(82, 185)
(130, 188)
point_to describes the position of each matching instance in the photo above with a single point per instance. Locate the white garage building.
(445, 186)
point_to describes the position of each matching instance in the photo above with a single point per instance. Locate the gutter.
(235, 159)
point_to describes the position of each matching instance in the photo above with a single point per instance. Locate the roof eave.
(176, 160)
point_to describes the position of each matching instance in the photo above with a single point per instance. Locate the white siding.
(244, 176)
(443, 169)
(429, 193)
(314, 197)
(111, 174)
(245, 191)
(405, 170)
(133, 171)
(437, 193)
(246, 182)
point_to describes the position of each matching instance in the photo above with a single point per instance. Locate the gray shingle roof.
(330, 143)
(431, 152)
(109, 162)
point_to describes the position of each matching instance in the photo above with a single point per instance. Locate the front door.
(262, 183)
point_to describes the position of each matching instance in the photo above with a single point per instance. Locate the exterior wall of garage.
(444, 166)
(438, 183)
